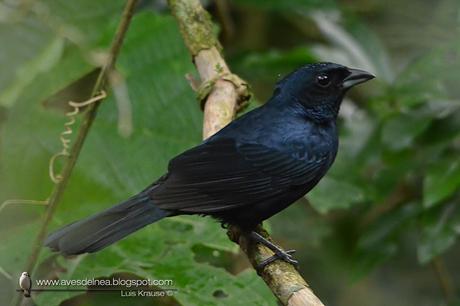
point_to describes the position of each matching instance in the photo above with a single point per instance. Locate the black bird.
(250, 170)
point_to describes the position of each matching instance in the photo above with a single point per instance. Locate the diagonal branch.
(88, 119)
(222, 93)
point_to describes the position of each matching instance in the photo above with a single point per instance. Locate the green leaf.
(17, 233)
(441, 181)
(267, 65)
(82, 22)
(387, 226)
(443, 132)
(379, 241)
(26, 74)
(430, 77)
(400, 131)
(111, 167)
(149, 255)
(439, 230)
(374, 48)
(33, 40)
(344, 48)
(364, 262)
(332, 194)
(20, 46)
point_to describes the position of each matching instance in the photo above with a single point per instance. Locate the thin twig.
(444, 278)
(82, 133)
(22, 202)
(221, 96)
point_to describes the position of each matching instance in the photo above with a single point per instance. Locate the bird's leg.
(279, 252)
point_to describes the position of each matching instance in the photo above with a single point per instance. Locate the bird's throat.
(321, 113)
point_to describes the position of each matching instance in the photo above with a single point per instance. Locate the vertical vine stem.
(221, 93)
(83, 130)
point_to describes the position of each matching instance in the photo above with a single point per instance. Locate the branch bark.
(221, 94)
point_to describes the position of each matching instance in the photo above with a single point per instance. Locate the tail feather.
(98, 231)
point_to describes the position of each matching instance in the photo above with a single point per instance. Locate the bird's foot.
(284, 255)
(279, 252)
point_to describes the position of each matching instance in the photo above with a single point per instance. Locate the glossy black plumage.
(250, 170)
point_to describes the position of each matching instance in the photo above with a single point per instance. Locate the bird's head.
(24, 274)
(320, 87)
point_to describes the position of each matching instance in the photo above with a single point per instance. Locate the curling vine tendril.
(56, 178)
(65, 141)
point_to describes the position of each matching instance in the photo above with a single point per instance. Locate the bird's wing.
(25, 282)
(220, 175)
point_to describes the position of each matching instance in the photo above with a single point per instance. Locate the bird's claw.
(289, 258)
(283, 255)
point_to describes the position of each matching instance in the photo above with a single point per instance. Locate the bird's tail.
(98, 231)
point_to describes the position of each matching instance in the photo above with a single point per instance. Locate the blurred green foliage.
(391, 196)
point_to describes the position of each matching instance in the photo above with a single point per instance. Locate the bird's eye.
(323, 80)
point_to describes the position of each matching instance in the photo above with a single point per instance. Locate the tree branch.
(88, 119)
(222, 93)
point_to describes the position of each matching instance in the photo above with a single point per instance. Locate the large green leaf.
(379, 241)
(334, 194)
(343, 47)
(158, 253)
(399, 132)
(166, 121)
(374, 48)
(441, 181)
(20, 45)
(430, 78)
(33, 39)
(438, 231)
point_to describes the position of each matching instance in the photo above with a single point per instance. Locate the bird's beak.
(356, 77)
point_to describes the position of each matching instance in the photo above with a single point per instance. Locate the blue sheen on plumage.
(250, 170)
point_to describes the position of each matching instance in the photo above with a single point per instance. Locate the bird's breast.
(304, 140)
